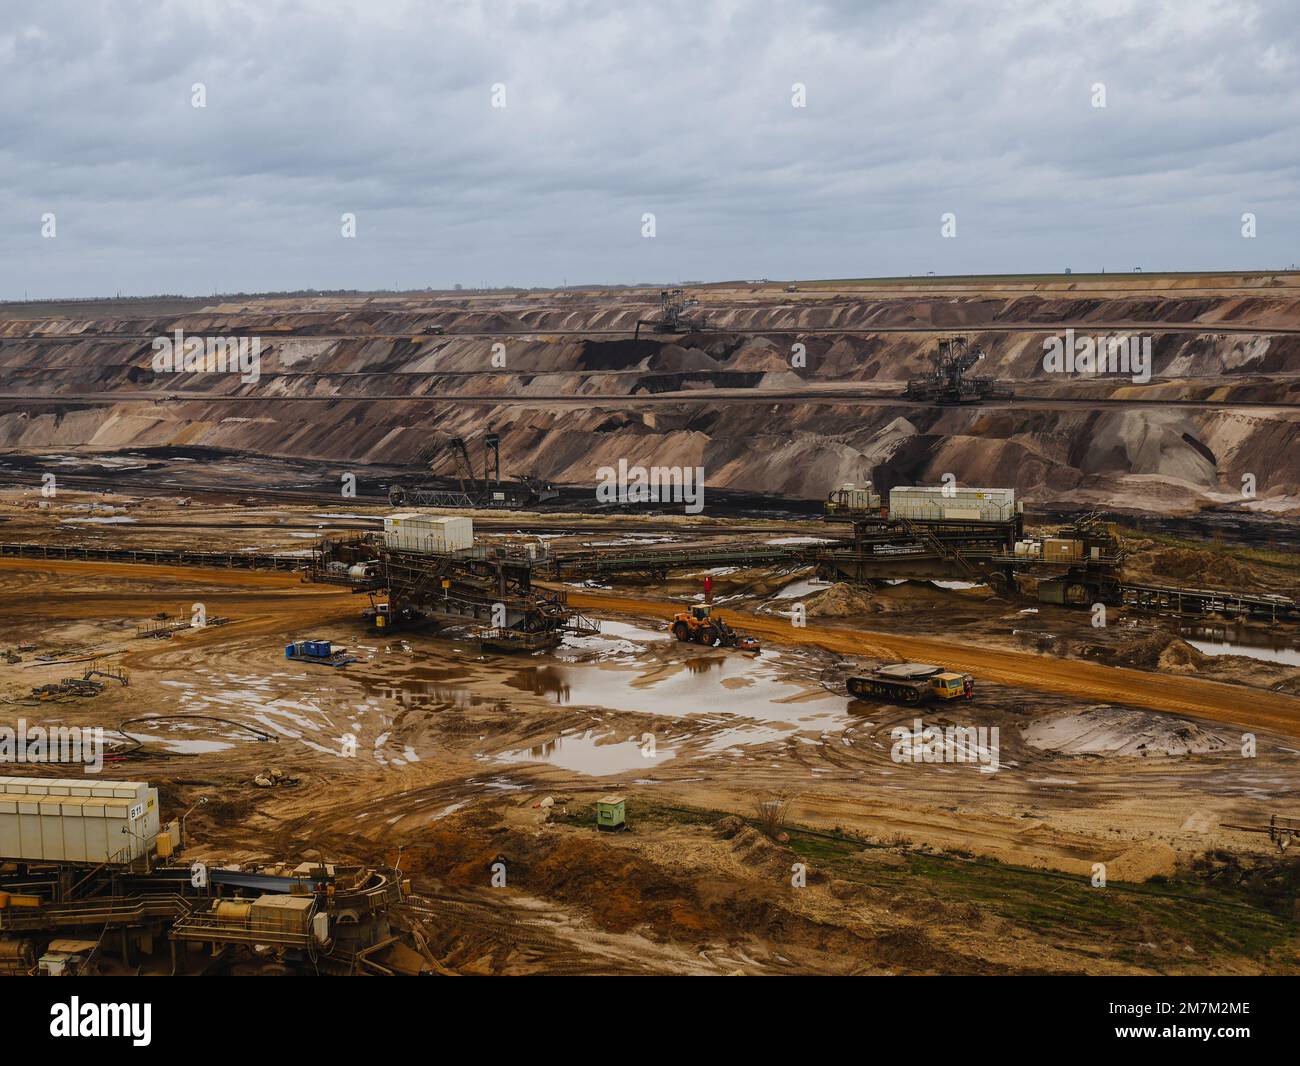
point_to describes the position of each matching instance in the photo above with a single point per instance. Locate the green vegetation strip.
(1165, 914)
(1281, 560)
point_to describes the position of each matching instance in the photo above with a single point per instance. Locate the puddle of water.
(710, 684)
(427, 686)
(1287, 656)
(195, 747)
(620, 542)
(183, 746)
(451, 808)
(496, 784)
(616, 640)
(591, 754)
(1239, 640)
(626, 631)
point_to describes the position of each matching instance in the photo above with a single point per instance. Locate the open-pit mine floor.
(429, 754)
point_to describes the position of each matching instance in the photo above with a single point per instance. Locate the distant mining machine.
(491, 492)
(949, 383)
(674, 316)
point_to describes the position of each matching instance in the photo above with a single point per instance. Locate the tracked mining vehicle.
(912, 683)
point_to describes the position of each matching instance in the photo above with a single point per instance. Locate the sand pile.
(1179, 657)
(760, 354)
(1113, 731)
(1168, 654)
(840, 601)
(673, 358)
(1186, 566)
(1141, 862)
(754, 849)
(1153, 651)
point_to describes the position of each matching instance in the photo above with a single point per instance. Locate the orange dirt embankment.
(1237, 705)
(257, 601)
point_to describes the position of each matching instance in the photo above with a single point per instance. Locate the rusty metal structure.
(491, 591)
(1281, 830)
(1085, 569)
(487, 591)
(122, 914)
(123, 910)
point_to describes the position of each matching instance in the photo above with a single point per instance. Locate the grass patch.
(1288, 561)
(1142, 924)
(1142, 921)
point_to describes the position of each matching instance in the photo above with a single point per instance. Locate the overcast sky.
(615, 109)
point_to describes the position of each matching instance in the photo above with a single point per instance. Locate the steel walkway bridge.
(595, 563)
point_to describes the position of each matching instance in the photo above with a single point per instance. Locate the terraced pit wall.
(357, 384)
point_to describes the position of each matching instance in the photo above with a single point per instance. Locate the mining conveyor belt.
(568, 566)
(622, 560)
(158, 557)
(1173, 600)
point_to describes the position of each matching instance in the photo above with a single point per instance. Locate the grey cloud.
(681, 109)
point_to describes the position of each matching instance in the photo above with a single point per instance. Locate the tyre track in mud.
(259, 604)
(285, 601)
(280, 602)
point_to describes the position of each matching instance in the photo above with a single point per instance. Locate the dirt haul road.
(1176, 694)
(264, 602)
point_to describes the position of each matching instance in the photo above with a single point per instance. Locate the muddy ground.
(459, 765)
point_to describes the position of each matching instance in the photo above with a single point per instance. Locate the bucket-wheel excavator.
(673, 316)
(948, 381)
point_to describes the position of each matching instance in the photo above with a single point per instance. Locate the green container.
(610, 812)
